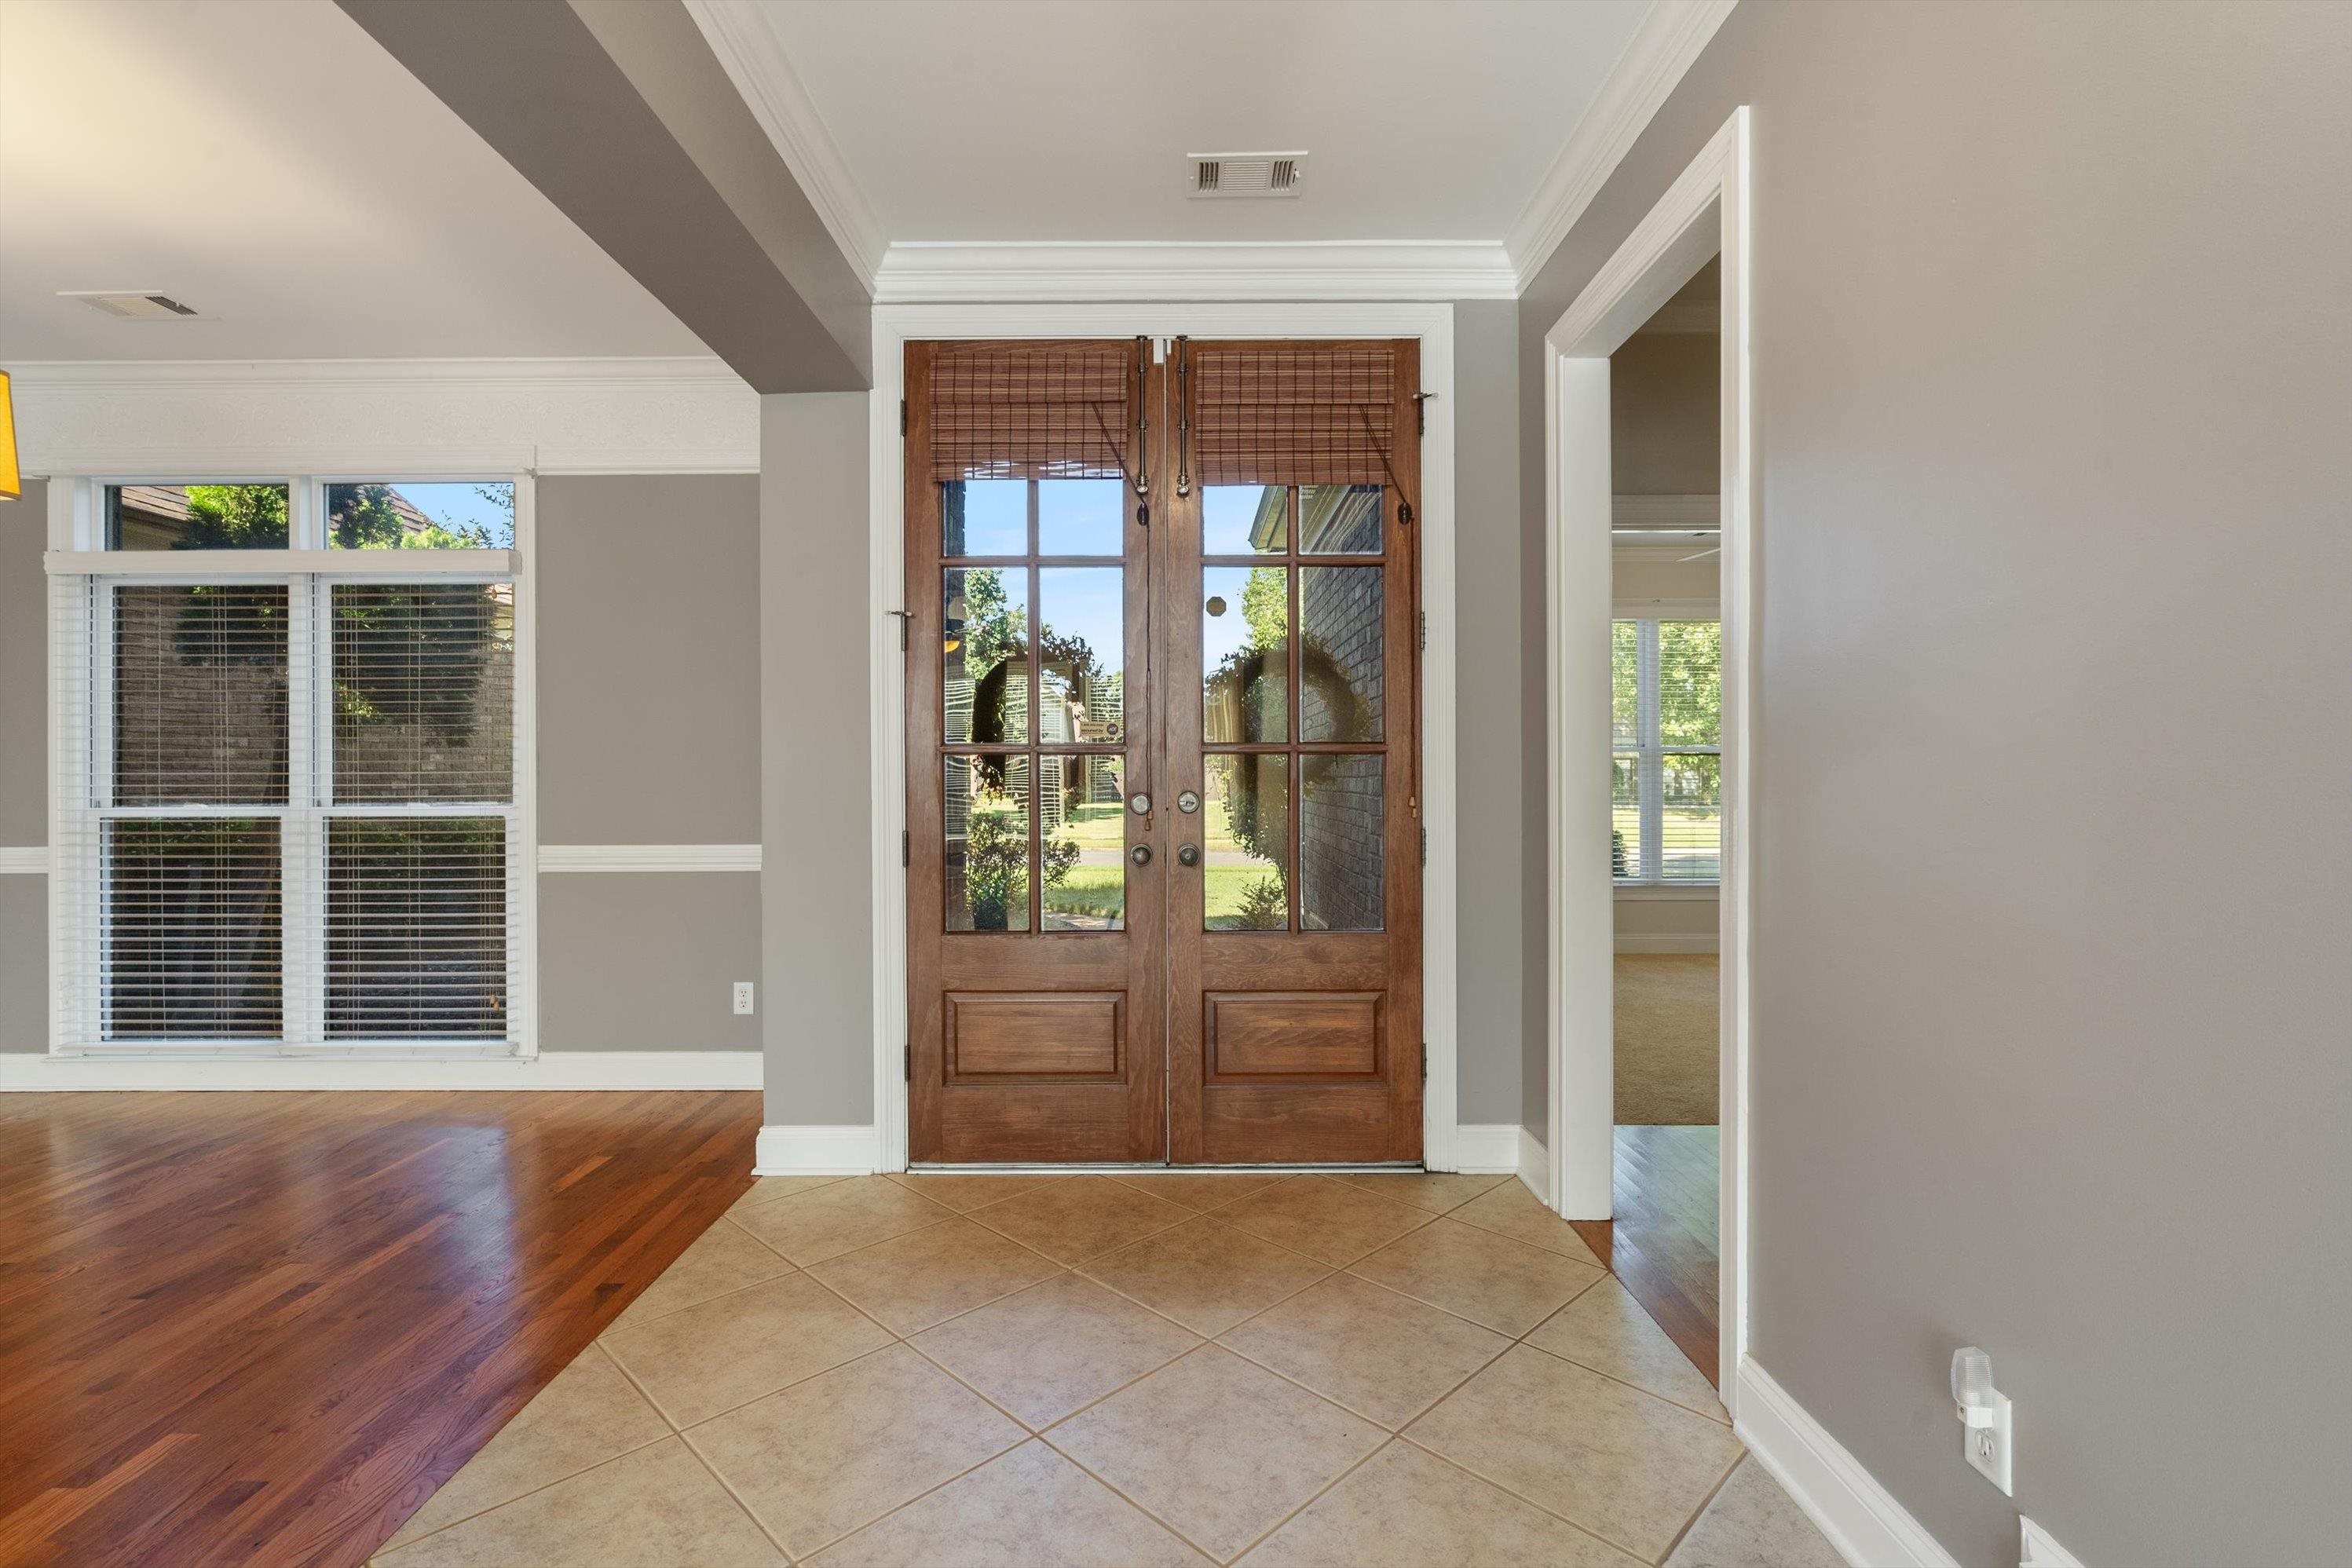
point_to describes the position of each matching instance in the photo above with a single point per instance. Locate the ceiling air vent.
(1245, 173)
(135, 304)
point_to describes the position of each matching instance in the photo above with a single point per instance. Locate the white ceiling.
(268, 162)
(1049, 121)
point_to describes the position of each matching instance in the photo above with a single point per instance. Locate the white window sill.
(1667, 892)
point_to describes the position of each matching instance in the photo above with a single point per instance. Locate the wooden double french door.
(1163, 727)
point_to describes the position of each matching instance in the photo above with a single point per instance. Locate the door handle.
(1188, 854)
(1140, 855)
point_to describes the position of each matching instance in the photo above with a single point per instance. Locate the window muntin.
(1666, 776)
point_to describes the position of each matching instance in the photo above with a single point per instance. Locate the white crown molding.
(930, 272)
(815, 1151)
(739, 33)
(1860, 1516)
(26, 1072)
(649, 857)
(1666, 41)
(668, 415)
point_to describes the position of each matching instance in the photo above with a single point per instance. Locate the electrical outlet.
(743, 997)
(1990, 1448)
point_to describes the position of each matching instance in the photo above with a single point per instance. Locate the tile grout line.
(737, 1499)
(1623, 1382)
(1387, 1440)
(1705, 1504)
(593, 1344)
(1501, 1486)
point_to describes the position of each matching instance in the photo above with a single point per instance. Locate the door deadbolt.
(1140, 855)
(1188, 854)
(1139, 803)
(1188, 802)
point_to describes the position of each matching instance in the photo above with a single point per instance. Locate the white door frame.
(1707, 212)
(894, 327)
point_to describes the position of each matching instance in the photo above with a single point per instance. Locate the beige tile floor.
(934, 1371)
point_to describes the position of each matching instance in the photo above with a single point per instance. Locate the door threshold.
(927, 1167)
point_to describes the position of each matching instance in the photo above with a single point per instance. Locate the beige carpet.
(1666, 1039)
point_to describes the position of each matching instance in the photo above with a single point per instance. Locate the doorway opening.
(1162, 728)
(1677, 784)
(1665, 828)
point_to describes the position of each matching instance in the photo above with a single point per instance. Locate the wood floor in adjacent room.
(261, 1329)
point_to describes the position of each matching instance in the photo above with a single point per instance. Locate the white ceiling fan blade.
(1703, 554)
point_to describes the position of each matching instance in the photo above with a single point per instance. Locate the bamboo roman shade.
(1033, 411)
(1303, 414)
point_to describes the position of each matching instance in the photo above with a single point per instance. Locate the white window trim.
(79, 570)
(1650, 754)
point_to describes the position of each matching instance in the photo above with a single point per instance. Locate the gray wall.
(649, 734)
(816, 894)
(24, 768)
(1491, 966)
(2050, 1043)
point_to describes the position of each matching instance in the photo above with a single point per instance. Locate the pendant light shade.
(11, 486)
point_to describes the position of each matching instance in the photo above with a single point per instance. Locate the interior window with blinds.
(292, 823)
(1666, 823)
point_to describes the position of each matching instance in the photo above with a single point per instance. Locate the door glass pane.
(200, 695)
(1340, 685)
(1245, 652)
(1342, 854)
(984, 517)
(1690, 683)
(1244, 519)
(1340, 519)
(1081, 516)
(1085, 874)
(1692, 825)
(987, 826)
(985, 666)
(1625, 816)
(196, 517)
(1081, 640)
(1246, 826)
(420, 517)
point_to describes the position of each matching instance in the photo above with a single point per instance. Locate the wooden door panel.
(1294, 1034)
(1049, 1035)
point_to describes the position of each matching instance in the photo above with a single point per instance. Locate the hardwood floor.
(261, 1329)
(1663, 1243)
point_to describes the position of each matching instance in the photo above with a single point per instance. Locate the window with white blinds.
(1665, 826)
(287, 811)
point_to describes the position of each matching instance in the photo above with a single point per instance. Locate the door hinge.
(910, 1063)
(1425, 846)
(1424, 630)
(902, 416)
(906, 846)
(1424, 1061)
(1420, 413)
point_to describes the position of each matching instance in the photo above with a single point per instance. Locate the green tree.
(1690, 683)
(235, 516)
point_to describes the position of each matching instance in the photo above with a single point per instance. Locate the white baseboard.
(1487, 1148)
(568, 1069)
(2035, 1549)
(1668, 941)
(1859, 1517)
(816, 1151)
(1535, 1167)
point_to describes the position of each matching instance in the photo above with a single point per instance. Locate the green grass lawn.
(1097, 890)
